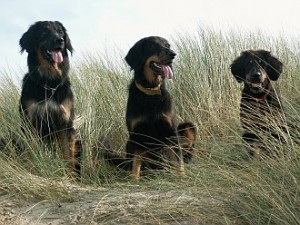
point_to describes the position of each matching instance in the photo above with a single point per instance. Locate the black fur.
(150, 118)
(47, 101)
(260, 105)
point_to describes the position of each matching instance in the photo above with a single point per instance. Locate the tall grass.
(222, 186)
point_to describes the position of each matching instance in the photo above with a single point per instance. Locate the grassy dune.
(222, 185)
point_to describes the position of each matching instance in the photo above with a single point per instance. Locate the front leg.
(136, 166)
(136, 159)
(173, 152)
(71, 149)
(175, 156)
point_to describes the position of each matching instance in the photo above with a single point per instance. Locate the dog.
(260, 106)
(47, 101)
(150, 118)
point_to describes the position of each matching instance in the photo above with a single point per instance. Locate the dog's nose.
(172, 54)
(256, 75)
(59, 40)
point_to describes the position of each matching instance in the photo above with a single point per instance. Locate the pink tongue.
(167, 71)
(57, 56)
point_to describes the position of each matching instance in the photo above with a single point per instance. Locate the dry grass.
(222, 185)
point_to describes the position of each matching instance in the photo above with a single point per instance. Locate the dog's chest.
(48, 102)
(260, 113)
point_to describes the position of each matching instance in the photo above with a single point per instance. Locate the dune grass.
(222, 186)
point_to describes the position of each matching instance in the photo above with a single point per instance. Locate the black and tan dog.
(46, 99)
(260, 106)
(150, 118)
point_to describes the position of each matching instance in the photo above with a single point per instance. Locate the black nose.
(256, 75)
(172, 54)
(59, 40)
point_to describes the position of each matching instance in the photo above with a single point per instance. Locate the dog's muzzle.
(162, 69)
(54, 53)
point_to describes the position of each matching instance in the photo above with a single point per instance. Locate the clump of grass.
(223, 185)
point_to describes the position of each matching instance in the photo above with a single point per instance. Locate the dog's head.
(255, 68)
(151, 59)
(48, 39)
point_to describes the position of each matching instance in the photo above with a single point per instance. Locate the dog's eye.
(43, 34)
(60, 32)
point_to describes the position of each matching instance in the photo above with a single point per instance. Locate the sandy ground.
(21, 212)
(97, 206)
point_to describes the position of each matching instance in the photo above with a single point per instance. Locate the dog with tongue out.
(261, 112)
(150, 118)
(47, 101)
(47, 43)
(57, 56)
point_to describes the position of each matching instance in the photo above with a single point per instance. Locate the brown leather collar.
(148, 91)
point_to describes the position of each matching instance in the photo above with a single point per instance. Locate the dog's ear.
(237, 68)
(27, 41)
(68, 43)
(135, 57)
(274, 66)
(66, 37)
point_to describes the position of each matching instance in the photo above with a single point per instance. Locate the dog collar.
(148, 91)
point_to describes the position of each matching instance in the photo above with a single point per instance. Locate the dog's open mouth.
(55, 55)
(257, 85)
(166, 69)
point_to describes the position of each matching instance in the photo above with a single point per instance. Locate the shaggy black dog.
(46, 99)
(150, 118)
(260, 108)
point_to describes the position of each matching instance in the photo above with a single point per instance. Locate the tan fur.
(159, 139)
(66, 107)
(53, 69)
(135, 121)
(69, 148)
(169, 117)
(149, 74)
(189, 135)
(136, 166)
(31, 107)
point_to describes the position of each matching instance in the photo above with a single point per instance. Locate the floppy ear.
(27, 41)
(66, 37)
(237, 68)
(274, 67)
(135, 56)
(68, 43)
